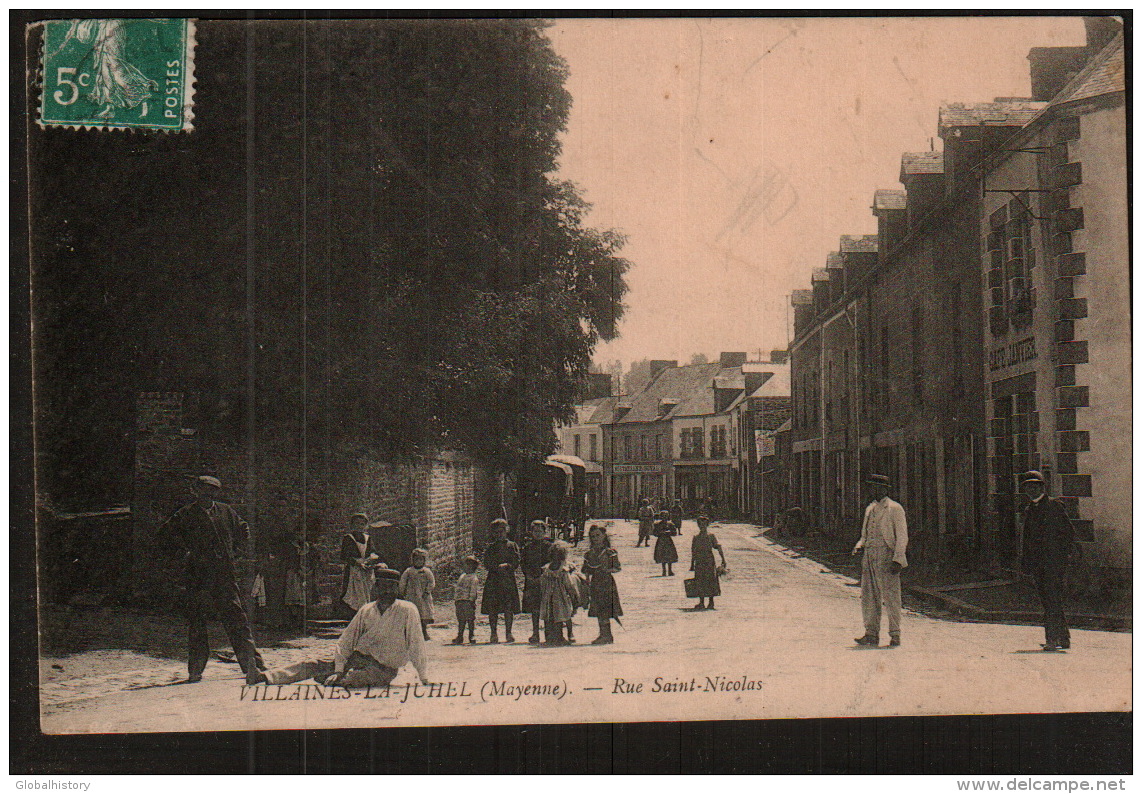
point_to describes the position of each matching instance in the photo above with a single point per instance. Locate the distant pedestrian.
(1048, 540)
(665, 552)
(359, 556)
(676, 515)
(600, 564)
(577, 534)
(645, 522)
(534, 557)
(884, 541)
(208, 531)
(501, 593)
(559, 597)
(381, 638)
(416, 586)
(296, 570)
(706, 585)
(464, 599)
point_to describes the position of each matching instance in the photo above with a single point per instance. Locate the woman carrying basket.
(705, 582)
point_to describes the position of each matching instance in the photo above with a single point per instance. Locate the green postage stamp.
(118, 74)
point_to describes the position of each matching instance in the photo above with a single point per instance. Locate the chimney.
(1053, 67)
(659, 366)
(778, 356)
(1100, 31)
(732, 359)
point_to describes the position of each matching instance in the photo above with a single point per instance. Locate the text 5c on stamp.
(118, 74)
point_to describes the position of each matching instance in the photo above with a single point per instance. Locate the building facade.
(1054, 239)
(984, 330)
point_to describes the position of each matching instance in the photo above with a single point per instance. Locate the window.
(658, 447)
(628, 448)
(1011, 258)
(718, 441)
(691, 441)
(829, 383)
(642, 447)
(578, 450)
(594, 451)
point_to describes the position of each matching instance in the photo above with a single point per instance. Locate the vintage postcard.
(410, 372)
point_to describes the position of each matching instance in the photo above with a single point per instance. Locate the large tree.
(363, 241)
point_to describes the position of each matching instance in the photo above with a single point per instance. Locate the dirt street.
(780, 644)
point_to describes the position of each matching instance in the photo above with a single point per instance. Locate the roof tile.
(991, 114)
(913, 163)
(889, 200)
(1104, 74)
(858, 243)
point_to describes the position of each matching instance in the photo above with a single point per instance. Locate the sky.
(734, 152)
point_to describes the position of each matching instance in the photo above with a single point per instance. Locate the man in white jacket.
(884, 541)
(383, 637)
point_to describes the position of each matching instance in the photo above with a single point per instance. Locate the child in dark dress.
(600, 563)
(665, 552)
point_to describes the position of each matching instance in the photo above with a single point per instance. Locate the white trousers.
(878, 585)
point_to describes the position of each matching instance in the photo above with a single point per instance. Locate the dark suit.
(207, 538)
(1047, 541)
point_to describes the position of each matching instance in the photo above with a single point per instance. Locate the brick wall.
(449, 498)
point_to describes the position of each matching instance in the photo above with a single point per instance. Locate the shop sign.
(635, 468)
(1015, 353)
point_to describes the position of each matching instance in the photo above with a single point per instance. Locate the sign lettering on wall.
(635, 468)
(1015, 353)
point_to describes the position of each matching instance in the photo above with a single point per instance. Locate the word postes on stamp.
(118, 74)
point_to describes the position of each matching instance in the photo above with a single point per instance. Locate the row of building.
(985, 329)
(702, 434)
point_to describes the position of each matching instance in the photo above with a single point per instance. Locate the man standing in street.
(383, 637)
(645, 522)
(884, 541)
(1047, 540)
(207, 531)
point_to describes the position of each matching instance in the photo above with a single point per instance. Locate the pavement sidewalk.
(991, 597)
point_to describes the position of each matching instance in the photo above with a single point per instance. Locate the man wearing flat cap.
(1048, 537)
(207, 531)
(884, 541)
(383, 637)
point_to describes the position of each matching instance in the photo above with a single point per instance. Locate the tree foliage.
(363, 242)
(637, 376)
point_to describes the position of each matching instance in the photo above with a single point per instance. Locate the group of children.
(553, 589)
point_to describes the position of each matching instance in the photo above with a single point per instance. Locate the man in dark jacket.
(207, 530)
(1047, 540)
